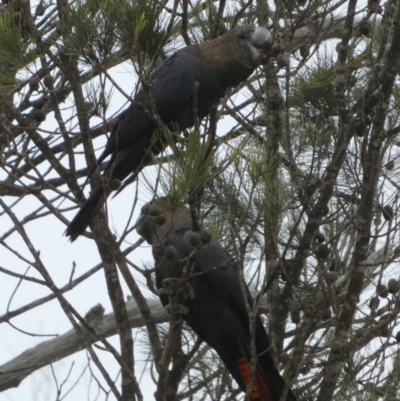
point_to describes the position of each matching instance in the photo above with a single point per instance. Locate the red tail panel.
(259, 388)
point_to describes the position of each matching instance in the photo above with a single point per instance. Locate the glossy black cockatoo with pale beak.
(211, 300)
(194, 78)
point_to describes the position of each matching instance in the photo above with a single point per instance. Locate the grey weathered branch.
(16, 370)
(13, 372)
(330, 27)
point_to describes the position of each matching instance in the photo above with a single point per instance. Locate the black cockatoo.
(212, 302)
(194, 78)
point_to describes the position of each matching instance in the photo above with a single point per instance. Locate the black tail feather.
(269, 378)
(270, 381)
(85, 215)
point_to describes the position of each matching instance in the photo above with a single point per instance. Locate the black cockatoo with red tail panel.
(212, 299)
(194, 78)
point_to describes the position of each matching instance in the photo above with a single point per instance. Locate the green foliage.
(15, 53)
(100, 27)
(139, 24)
(313, 108)
(7, 81)
(204, 21)
(371, 389)
(270, 193)
(313, 92)
(98, 99)
(249, 193)
(189, 171)
(262, 12)
(12, 50)
(94, 33)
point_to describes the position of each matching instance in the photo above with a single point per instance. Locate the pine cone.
(305, 50)
(39, 116)
(336, 347)
(393, 286)
(378, 68)
(276, 50)
(325, 314)
(295, 317)
(282, 62)
(360, 127)
(34, 84)
(323, 251)
(205, 236)
(374, 303)
(48, 81)
(170, 252)
(382, 291)
(388, 212)
(195, 240)
(160, 220)
(284, 358)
